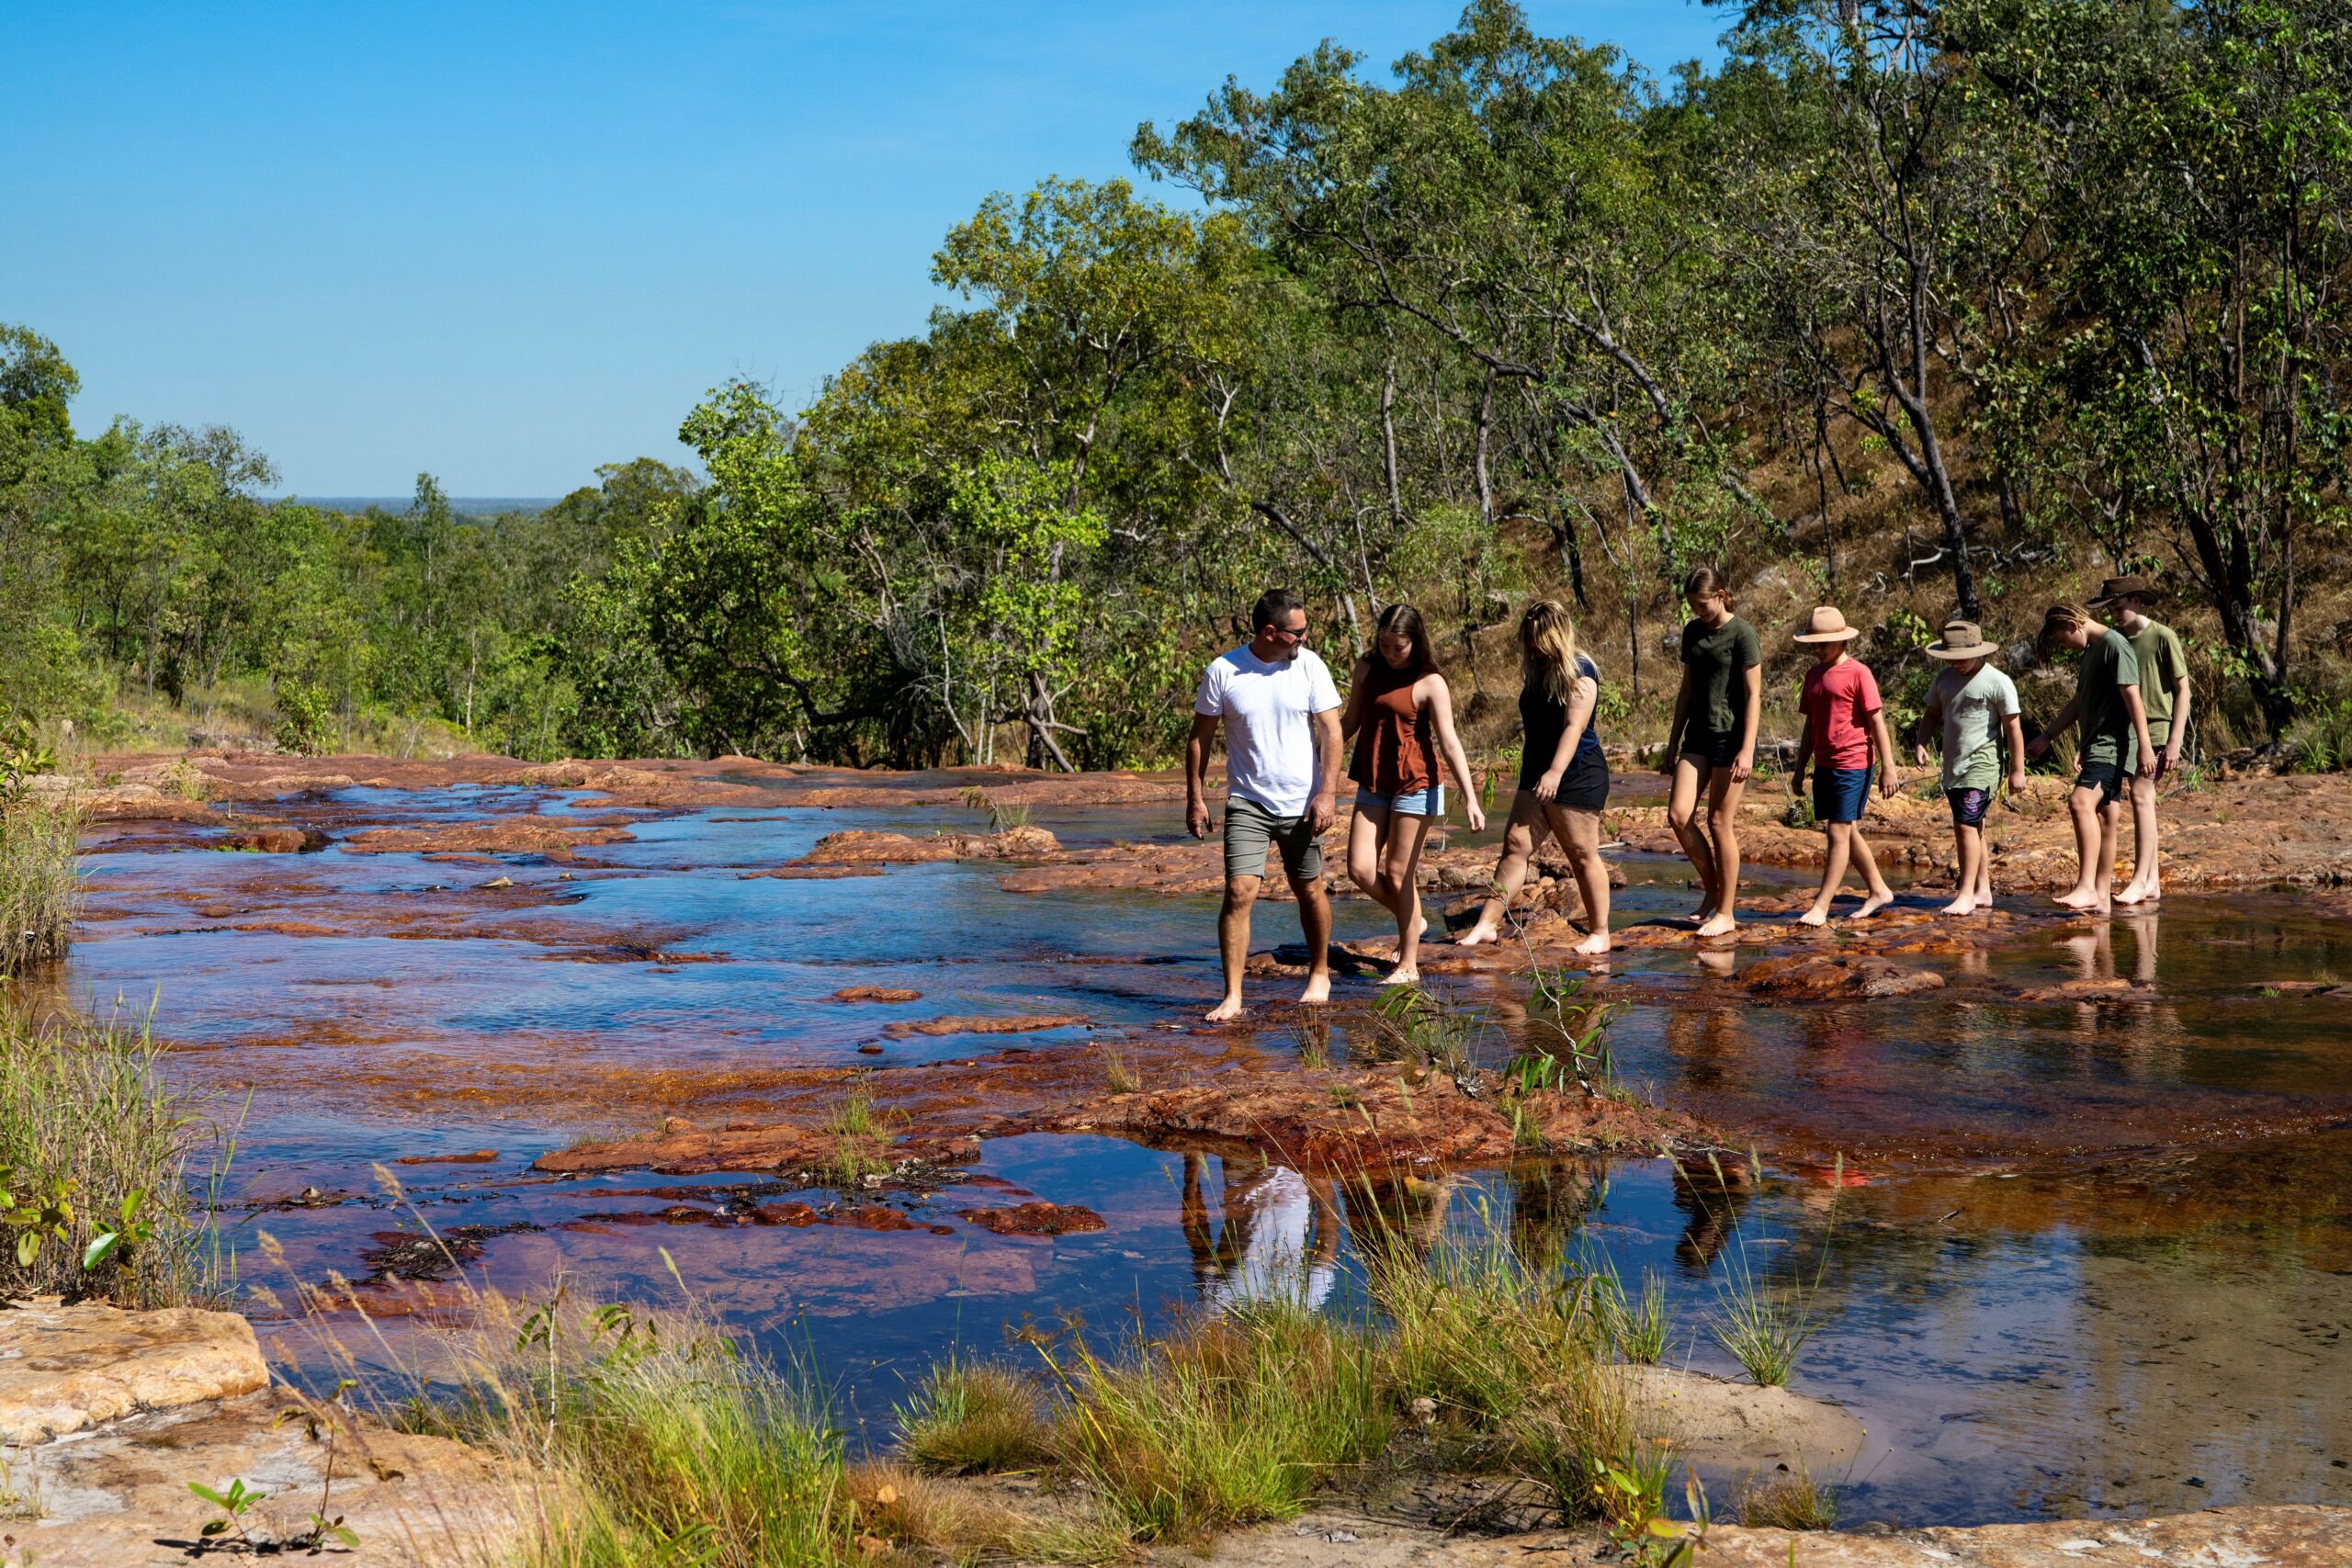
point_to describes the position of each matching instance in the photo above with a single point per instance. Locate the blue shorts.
(1839, 794)
(1968, 806)
(1429, 802)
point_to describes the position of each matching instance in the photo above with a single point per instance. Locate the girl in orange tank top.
(1401, 711)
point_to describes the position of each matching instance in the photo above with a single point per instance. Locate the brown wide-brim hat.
(1828, 624)
(1962, 640)
(2116, 587)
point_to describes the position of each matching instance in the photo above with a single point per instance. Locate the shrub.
(93, 1146)
(41, 881)
(304, 712)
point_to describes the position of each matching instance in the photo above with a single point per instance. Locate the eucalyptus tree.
(1513, 205)
(2194, 395)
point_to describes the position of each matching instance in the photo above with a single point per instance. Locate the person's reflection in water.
(1713, 1192)
(1706, 1041)
(2143, 947)
(1396, 1220)
(1549, 1204)
(1278, 1238)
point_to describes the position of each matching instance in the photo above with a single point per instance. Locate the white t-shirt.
(1974, 709)
(1268, 735)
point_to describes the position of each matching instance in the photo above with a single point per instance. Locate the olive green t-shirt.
(1715, 657)
(2163, 662)
(2108, 665)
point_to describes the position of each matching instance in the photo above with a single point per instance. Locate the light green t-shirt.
(1974, 708)
(2163, 662)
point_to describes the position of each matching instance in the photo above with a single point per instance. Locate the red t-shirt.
(1837, 703)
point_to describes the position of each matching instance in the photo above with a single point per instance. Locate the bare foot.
(2075, 898)
(1421, 919)
(1875, 903)
(2135, 894)
(1816, 915)
(1481, 933)
(1703, 911)
(1717, 925)
(1400, 976)
(1592, 946)
(1985, 903)
(1225, 1011)
(1318, 990)
(1963, 905)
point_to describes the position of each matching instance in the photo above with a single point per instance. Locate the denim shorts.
(1840, 793)
(1429, 802)
(2108, 778)
(1969, 805)
(1250, 829)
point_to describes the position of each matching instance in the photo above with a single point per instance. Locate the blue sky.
(505, 242)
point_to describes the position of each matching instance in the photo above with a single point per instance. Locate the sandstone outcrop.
(66, 1368)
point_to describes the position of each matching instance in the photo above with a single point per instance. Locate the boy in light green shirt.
(1976, 705)
(2165, 693)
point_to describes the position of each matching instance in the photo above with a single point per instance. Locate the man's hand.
(1890, 779)
(2148, 761)
(2017, 784)
(1322, 811)
(1919, 753)
(1743, 765)
(1477, 813)
(1666, 762)
(1196, 818)
(2169, 758)
(1796, 778)
(2038, 748)
(1548, 786)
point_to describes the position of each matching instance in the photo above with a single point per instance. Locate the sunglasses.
(1299, 636)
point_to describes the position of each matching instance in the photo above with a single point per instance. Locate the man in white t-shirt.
(1280, 712)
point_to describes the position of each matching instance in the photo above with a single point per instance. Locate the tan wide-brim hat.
(1828, 624)
(1962, 640)
(2115, 588)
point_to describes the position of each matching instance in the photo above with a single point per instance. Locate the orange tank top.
(1395, 753)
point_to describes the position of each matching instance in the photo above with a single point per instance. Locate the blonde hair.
(1547, 648)
(2062, 618)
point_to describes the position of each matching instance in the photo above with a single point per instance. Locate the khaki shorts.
(1250, 828)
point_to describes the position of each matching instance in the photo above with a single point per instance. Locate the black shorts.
(1584, 786)
(1715, 750)
(2108, 778)
(1969, 805)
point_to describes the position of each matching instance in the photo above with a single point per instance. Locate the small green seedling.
(232, 1505)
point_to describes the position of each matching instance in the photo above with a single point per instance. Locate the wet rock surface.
(1035, 1218)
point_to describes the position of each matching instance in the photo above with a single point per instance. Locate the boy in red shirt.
(1845, 729)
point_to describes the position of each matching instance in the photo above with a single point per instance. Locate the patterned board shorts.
(1969, 805)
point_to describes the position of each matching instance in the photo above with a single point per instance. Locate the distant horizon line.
(471, 504)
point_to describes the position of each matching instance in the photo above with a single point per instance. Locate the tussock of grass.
(81, 1108)
(649, 1440)
(1762, 1322)
(861, 1133)
(41, 883)
(1118, 1072)
(974, 1416)
(1792, 1500)
(1225, 1422)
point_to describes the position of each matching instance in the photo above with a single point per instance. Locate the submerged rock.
(1039, 1218)
(1840, 978)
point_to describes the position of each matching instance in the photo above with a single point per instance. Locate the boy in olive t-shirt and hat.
(2165, 693)
(2114, 745)
(1976, 706)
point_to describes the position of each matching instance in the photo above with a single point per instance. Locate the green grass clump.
(40, 882)
(1763, 1322)
(1793, 1500)
(648, 1443)
(2320, 741)
(861, 1133)
(1225, 1422)
(92, 1144)
(968, 1417)
(1635, 1322)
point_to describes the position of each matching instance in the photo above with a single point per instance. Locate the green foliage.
(303, 712)
(974, 1416)
(41, 881)
(95, 1185)
(2320, 740)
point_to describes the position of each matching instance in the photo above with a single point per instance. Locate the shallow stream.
(2054, 1276)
